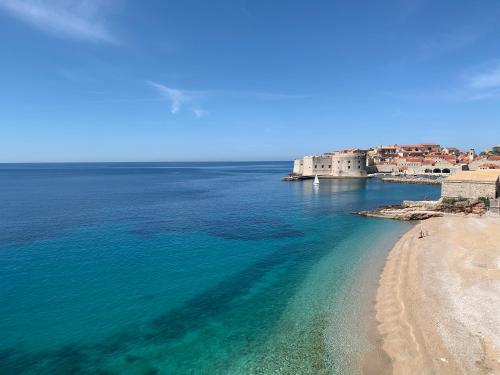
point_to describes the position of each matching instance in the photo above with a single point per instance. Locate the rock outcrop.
(465, 206)
(401, 213)
(421, 210)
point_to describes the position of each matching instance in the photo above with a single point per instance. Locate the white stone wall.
(386, 168)
(349, 165)
(308, 164)
(461, 189)
(298, 166)
(322, 165)
(332, 165)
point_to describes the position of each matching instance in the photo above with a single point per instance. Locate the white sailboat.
(316, 180)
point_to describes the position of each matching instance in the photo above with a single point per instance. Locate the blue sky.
(111, 80)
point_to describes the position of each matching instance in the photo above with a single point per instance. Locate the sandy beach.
(438, 302)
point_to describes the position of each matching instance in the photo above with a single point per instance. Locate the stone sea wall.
(464, 189)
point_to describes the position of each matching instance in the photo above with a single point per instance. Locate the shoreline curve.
(438, 298)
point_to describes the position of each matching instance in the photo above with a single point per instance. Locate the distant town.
(426, 159)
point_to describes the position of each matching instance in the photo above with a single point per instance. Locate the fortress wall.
(298, 166)
(322, 165)
(386, 168)
(332, 165)
(469, 189)
(308, 166)
(349, 165)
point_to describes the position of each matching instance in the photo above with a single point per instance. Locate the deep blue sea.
(187, 268)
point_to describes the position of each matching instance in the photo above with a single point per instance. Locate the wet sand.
(438, 302)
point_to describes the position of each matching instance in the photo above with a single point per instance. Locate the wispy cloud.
(180, 98)
(479, 83)
(200, 112)
(63, 18)
(485, 80)
(190, 99)
(176, 97)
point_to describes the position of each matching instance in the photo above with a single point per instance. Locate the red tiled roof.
(448, 158)
(490, 165)
(414, 160)
(420, 145)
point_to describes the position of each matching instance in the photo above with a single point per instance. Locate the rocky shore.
(422, 210)
(413, 180)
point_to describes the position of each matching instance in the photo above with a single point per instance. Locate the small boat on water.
(316, 180)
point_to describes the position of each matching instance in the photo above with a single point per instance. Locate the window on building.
(323, 166)
(349, 167)
(330, 166)
(359, 167)
(315, 166)
(349, 162)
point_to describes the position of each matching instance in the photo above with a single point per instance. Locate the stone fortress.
(425, 159)
(339, 164)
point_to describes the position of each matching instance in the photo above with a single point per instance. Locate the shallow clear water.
(186, 268)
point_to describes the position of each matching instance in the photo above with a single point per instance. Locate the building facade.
(348, 164)
(487, 162)
(420, 149)
(419, 159)
(472, 185)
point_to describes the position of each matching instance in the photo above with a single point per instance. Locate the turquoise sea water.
(187, 268)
